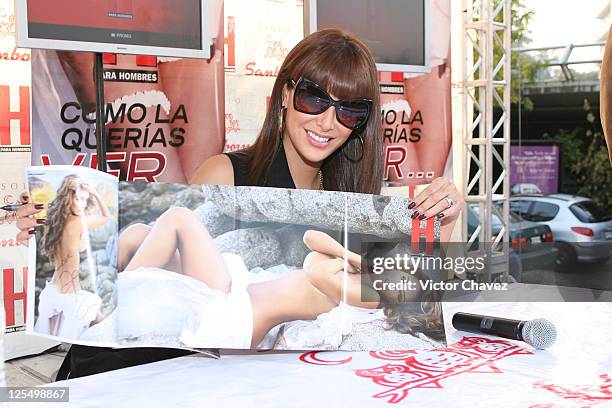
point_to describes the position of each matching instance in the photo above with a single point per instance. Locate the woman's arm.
(326, 275)
(216, 170)
(321, 242)
(95, 221)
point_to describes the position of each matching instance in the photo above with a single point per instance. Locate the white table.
(488, 372)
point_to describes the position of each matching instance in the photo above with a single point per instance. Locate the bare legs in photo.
(198, 256)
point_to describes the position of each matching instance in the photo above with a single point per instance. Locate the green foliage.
(525, 67)
(585, 156)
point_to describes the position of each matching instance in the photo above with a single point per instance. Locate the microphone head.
(539, 333)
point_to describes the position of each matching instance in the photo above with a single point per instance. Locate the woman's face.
(314, 137)
(79, 202)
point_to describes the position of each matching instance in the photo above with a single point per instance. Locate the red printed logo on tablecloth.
(312, 358)
(585, 394)
(426, 369)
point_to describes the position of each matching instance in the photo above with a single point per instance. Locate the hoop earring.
(281, 121)
(358, 159)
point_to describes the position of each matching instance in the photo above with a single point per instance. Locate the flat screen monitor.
(174, 28)
(397, 31)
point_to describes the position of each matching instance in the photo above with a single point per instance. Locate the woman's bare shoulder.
(215, 170)
(73, 222)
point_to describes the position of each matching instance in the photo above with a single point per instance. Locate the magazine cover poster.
(74, 255)
(164, 116)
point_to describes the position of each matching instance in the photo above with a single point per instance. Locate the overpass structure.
(559, 100)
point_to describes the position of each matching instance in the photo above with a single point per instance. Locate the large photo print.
(253, 267)
(128, 264)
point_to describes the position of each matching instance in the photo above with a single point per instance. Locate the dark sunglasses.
(311, 98)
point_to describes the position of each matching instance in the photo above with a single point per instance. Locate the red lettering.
(418, 232)
(6, 115)
(134, 173)
(110, 157)
(394, 162)
(9, 242)
(249, 68)
(15, 56)
(10, 296)
(142, 165)
(78, 159)
(230, 42)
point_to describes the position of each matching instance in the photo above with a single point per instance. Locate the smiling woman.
(323, 131)
(323, 125)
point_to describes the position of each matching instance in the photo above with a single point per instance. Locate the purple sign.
(534, 167)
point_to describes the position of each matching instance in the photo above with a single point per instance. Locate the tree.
(585, 156)
(525, 67)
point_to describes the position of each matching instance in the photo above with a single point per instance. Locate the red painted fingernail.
(414, 215)
(39, 206)
(41, 221)
(411, 205)
(441, 215)
(421, 217)
(31, 231)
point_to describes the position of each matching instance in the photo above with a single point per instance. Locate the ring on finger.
(449, 202)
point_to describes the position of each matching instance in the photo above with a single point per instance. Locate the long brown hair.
(424, 316)
(407, 311)
(340, 62)
(58, 212)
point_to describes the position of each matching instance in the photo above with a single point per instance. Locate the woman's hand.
(87, 187)
(436, 200)
(25, 220)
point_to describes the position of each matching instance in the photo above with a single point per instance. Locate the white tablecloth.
(472, 371)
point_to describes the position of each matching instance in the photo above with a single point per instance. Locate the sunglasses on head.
(311, 98)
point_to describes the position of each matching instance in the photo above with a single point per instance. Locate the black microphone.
(538, 333)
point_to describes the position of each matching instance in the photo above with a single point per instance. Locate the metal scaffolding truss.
(486, 98)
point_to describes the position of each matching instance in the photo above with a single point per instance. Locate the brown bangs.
(340, 67)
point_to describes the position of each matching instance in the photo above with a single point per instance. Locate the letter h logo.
(22, 115)
(10, 296)
(419, 233)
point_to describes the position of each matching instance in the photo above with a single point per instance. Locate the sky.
(561, 22)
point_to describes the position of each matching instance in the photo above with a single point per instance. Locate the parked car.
(582, 230)
(531, 242)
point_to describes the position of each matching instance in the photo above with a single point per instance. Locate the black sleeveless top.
(279, 175)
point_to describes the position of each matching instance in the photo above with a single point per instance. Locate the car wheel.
(566, 258)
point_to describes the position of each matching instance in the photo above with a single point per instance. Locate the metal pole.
(100, 114)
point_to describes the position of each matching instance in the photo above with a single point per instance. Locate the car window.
(588, 211)
(542, 211)
(520, 206)
(514, 217)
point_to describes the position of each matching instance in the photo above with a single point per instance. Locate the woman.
(64, 309)
(323, 130)
(228, 310)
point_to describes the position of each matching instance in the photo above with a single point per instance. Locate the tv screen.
(157, 27)
(395, 30)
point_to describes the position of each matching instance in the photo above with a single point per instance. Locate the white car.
(582, 230)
